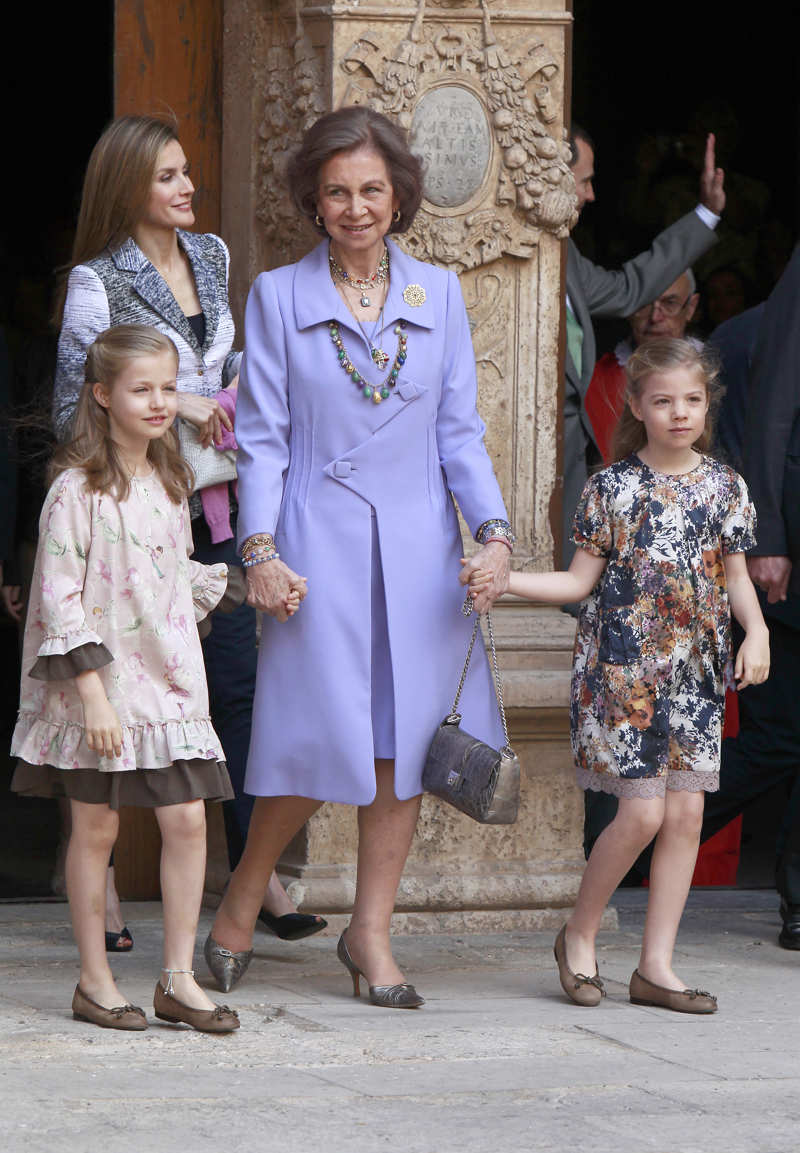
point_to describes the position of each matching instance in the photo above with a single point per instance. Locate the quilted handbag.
(467, 773)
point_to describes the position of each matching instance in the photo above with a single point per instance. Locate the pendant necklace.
(363, 284)
(374, 392)
(380, 357)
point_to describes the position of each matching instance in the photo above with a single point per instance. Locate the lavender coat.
(315, 459)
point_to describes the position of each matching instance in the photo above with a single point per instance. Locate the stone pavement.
(496, 1060)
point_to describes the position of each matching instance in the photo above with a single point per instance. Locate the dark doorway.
(57, 71)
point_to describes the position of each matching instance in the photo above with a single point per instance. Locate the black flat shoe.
(292, 926)
(121, 942)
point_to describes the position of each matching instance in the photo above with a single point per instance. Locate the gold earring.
(396, 217)
(319, 223)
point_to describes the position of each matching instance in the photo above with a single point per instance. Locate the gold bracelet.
(258, 538)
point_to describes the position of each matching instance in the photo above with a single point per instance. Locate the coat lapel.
(316, 300)
(580, 381)
(154, 291)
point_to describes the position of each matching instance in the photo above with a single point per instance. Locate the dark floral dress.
(652, 652)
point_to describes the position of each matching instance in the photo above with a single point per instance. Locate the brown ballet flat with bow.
(644, 992)
(586, 991)
(167, 1007)
(120, 1017)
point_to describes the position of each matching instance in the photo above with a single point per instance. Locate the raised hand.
(712, 180)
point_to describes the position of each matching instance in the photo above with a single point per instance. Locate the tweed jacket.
(123, 287)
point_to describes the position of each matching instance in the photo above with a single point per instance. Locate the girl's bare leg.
(183, 870)
(637, 821)
(94, 831)
(385, 832)
(674, 858)
(274, 822)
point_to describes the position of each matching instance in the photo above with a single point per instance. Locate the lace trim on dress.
(692, 782)
(648, 787)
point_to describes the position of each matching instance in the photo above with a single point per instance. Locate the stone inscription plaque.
(450, 134)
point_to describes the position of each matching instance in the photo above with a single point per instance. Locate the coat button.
(199, 372)
(342, 468)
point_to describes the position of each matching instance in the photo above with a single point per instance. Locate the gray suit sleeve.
(621, 292)
(772, 411)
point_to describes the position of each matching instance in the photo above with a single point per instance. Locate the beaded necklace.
(379, 276)
(374, 392)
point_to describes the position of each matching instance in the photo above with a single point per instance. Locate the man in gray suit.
(595, 291)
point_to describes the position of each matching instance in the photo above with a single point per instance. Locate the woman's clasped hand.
(273, 588)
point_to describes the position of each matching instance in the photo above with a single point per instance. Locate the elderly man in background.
(595, 291)
(668, 315)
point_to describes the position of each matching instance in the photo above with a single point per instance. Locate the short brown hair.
(661, 355)
(345, 130)
(91, 447)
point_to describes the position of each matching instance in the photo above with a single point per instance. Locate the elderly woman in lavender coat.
(356, 422)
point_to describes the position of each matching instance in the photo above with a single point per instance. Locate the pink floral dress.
(114, 589)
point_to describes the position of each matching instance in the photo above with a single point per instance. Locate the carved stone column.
(479, 86)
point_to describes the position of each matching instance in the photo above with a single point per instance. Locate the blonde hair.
(91, 447)
(662, 355)
(115, 189)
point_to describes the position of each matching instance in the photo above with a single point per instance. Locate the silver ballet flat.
(403, 996)
(226, 968)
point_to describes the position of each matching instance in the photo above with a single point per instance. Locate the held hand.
(271, 585)
(297, 594)
(476, 579)
(206, 414)
(771, 573)
(752, 659)
(100, 720)
(493, 559)
(712, 180)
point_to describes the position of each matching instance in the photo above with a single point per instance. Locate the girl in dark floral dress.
(661, 537)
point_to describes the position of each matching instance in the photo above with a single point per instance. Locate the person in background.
(668, 315)
(593, 291)
(762, 348)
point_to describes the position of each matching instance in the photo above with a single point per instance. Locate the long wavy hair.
(92, 447)
(116, 189)
(662, 355)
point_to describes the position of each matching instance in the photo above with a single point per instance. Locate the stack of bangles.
(258, 549)
(499, 530)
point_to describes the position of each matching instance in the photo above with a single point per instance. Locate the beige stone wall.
(484, 82)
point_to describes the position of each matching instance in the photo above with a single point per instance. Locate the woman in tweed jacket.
(135, 263)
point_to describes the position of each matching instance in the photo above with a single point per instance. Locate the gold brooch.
(414, 295)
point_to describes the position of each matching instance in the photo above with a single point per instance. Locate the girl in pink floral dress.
(661, 535)
(114, 705)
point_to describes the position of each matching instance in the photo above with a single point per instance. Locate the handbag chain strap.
(498, 687)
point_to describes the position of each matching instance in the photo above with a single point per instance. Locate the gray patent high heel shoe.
(403, 996)
(226, 968)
